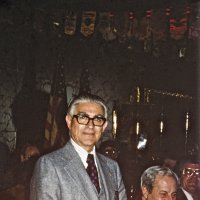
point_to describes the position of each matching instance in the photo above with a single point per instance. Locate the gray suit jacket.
(61, 175)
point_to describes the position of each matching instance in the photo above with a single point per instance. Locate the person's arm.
(121, 187)
(44, 183)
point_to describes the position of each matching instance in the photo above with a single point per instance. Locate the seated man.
(158, 183)
(189, 172)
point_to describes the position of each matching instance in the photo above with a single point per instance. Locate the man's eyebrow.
(82, 113)
(174, 192)
(99, 115)
(85, 114)
(163, 191)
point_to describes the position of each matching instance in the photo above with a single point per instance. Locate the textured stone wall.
(31, 41)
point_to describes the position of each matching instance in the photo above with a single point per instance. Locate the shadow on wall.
(29, 116)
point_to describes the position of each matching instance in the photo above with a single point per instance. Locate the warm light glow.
(138, 95)
(137, 128)
(161, 126)
(114, 116)
(187, 121)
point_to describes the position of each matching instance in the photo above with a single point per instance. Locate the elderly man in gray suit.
(77, 171)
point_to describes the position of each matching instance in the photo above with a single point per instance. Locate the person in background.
(189, 173)
(109, 148)
(29, 154)
(158, 183)
(4, 157)
(170, 160)
(16, 179)
(66, 173)
(29, 151)
(4, 164)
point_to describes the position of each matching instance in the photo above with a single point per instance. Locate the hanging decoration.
(168, 14)
(132, 24)
(88, 23)
(179, 24)
(194, 28)
(125, 26)
(107, 26)
(148, 39)
(158, 25)
(70, 23)
(39, 20)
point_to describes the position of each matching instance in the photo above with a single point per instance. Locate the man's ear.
(22, 158)
(144, 192)
(68, 119)
(105, 125)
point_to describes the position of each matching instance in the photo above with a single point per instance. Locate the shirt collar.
(82, 152)
(187, 194)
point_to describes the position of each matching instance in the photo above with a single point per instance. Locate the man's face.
(190, 178)
(111, 152)
(86, 135)
(164, 189)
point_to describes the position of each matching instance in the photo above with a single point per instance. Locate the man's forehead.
(165, 183)
(192, 165)
(162, 177)
(89, 106)
(82, 104)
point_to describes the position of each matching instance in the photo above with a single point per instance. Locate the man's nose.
(90, 123)
(194, 176)
(172, 197)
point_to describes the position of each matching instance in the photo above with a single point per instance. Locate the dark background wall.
(31, 40)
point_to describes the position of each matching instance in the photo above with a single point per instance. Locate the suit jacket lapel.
(76, 170)
(107, 177)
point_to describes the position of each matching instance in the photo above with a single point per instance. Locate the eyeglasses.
(111, 151)
(190, 172)
(85, 119)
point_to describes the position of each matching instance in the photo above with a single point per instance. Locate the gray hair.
(84, 99)
(149, 176)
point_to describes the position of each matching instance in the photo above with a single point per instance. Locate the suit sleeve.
(121, 187)
(44, 183)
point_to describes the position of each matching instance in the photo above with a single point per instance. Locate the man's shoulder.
(106, 159)
(63, 152)
(180, 195)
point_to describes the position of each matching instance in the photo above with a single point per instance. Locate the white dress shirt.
(83, 153)
(187, 194)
